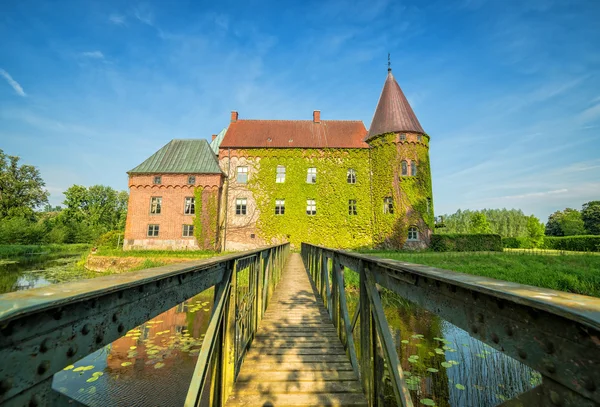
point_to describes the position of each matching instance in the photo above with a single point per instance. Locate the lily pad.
(447, 365)
(432, 370)
(439, 351)
(133, 347)
(417, 336)
(92, 379)
(159, 365)
(124, 364)
(69, 367)
(459, 386)
(97, 374)
(404, 341)
(427, 402)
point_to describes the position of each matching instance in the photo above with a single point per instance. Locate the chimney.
(214, 136)
(317, 116)
(234, 116)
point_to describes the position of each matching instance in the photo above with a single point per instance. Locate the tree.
(479, 223)
(21, 188)
(565, 223)
(590, 214)
(535, 230)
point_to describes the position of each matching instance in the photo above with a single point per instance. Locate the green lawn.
(573, 273)
(191, 254)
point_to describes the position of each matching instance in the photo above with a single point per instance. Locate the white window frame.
(352, 211)
(241, 174)
(280, 207)
(153, 230)
(241, 206)
(188, 231)
(311, 175)
(413, 234)
(311, 207)
(155, 208)
(388, 205)
(351, 176)
(280, 175)
(189, 205)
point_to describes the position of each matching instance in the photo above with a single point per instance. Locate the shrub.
(518, 243)
(466, 243)
(109, 239)
(587, 243)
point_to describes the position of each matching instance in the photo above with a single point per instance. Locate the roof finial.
(389, 63)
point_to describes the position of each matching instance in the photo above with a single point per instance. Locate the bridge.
(280, 333)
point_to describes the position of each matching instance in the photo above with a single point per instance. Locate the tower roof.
(393, 113)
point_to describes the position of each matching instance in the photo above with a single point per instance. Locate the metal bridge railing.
(555, 333)
(46, 329)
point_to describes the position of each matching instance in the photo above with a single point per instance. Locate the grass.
(11, 251)
(191, 254)
(578, 274)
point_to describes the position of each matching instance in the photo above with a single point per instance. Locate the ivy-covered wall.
(206, 217)
(332, 225)
(410, 193)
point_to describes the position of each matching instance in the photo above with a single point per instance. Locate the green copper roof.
(181, 157)
(217, 141)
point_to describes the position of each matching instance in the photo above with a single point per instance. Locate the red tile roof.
(393, 113)
(295, 134)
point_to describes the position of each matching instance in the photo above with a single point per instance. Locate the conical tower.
(402, 193)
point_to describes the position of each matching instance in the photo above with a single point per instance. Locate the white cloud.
(117, 19)
(144, 14)
(536, 194)
(590, 114)
(93, 54)
(14, 84)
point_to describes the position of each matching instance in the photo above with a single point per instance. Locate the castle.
(259, 182)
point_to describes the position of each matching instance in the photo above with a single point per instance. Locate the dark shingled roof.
(393, 113)
(295, 134)
(181, 157)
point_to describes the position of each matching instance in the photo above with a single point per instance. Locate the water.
(152, 364)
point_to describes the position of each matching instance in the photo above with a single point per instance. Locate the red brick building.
(267, 181)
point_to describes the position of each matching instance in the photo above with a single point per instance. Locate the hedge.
(466, 243)
(518, 243)
(587, 243)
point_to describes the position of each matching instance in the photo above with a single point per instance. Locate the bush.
(19, 230)
(466, 243)
(587, 243)
(518, 243)
(109, 239)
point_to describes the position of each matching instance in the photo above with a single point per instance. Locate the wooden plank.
(322, 350)
(293, 386)
(285, 366)
(299, 376)
(289, 358)
(294, 400)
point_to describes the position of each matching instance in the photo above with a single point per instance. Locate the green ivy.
(409, 193)
(199, 232)
(332, 225)
(205, 221)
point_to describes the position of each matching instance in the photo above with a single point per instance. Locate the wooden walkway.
(296, 358)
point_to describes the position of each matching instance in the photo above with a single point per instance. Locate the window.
(280, 179)
(419, 138)
(351, 176)
(192, 179)
(188, 230)
(311, 207)
(190, 206)
(155, 205)
(158, 180)
(279, 206)
(311, 176)
(404, 167)
(413, 168)
(240, 206)
(180, 308)
(428, 204)
(352, 207)
(242, 175)
(152, 230)
(413, 233)
(388, 205)
(402, 137)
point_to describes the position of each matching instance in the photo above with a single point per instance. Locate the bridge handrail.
(555, 333)
(45, 329)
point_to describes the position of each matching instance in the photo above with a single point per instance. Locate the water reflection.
(151, 365)
(443, 364)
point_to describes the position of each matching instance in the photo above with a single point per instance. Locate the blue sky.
(508, 90)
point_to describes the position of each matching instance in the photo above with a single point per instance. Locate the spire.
(393, 113)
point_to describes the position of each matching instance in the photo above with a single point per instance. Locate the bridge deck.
(296, 358)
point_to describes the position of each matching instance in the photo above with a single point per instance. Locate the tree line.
(26, 217)
(514, 223)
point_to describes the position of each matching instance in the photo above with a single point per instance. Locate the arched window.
(351, 176)
(413, 168)
(413, 233)
(404, 167)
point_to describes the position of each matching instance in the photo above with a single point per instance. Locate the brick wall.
(173, 189)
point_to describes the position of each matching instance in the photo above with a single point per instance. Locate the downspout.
(227, 197)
